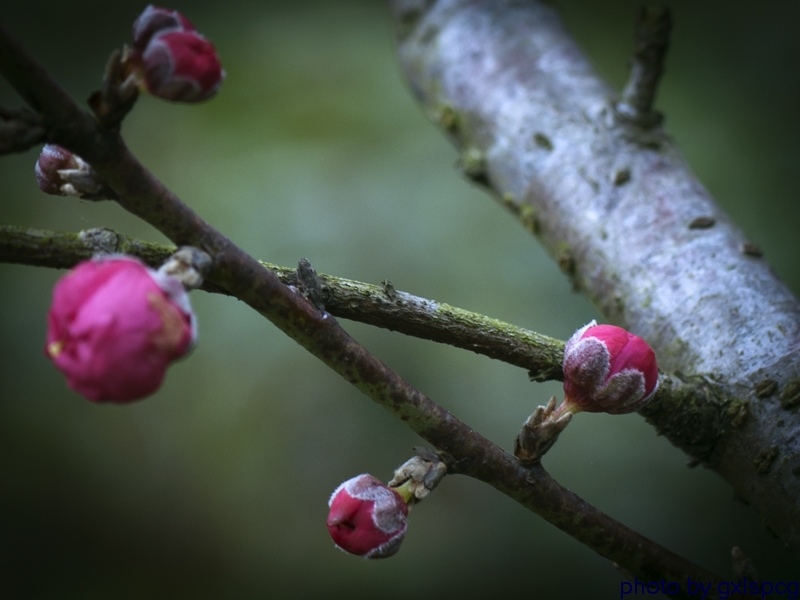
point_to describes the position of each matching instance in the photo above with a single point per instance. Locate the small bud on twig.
(59, 172)
(418, 476)
(172, 59)
(607, 369)
(188, 265)
(119, 90)
(539, 433)
(367, 518)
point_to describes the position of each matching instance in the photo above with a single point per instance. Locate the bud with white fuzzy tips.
(182, 66)
(59, 172)
(367, 518)
(607, 369)
(172, 60)
(155, 21)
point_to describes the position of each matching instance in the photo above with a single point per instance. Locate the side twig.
(647, 65)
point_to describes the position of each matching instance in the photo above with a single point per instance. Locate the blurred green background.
(217, 485)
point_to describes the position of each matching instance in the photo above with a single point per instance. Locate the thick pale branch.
(624, 217)
(241, 275)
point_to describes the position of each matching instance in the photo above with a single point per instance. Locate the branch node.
(539, 433)
(309, 285)
(100, 240)
(420, 475)
(388, 289)
(118, 92)
(189, 265)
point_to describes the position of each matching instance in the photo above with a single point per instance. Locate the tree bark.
(615, 204)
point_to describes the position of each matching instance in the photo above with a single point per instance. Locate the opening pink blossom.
(113, 328)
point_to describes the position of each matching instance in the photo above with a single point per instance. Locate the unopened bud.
(367, 518)
(607, 369)
(155, 20)
(171, 59)
(182, 66)
(59, 172)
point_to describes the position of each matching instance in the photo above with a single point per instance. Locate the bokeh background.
(217, 485)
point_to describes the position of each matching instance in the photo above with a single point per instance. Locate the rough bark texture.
(620, 211)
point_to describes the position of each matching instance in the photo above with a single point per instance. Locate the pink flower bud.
(607, 369)
(53, 159)
(59, 172)
(171, 60)
(367, 518)
(115, 326)
(181, 66)
(155, 21)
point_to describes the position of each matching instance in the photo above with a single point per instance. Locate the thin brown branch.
(378, 305)
(140, 193)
